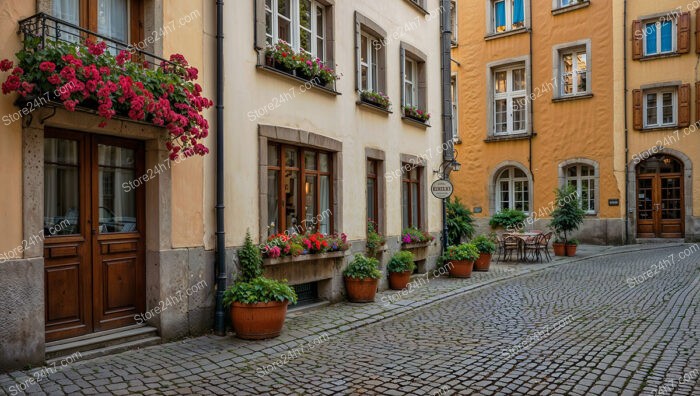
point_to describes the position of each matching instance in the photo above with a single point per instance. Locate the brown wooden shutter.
(684, 105)
(358, 53)
(697, 30)
(637, 118)
(684, 33)
(637, 40)
(697, 102)
(260, 28)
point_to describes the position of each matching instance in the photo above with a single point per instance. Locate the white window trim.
(591, 178)
(558, 52)
(511, 188)
(509, 96)
(455, 22)
(491, 16)
(659, 107)
(411, 79)
(296, 26)
(455, 107)
(372, 57)
(674, 36)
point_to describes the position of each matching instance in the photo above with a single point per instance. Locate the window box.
(376, 99)
(306, 268)
(419, 250)
(416, 114)
(268, 262)
(283, 58)
(292, 77)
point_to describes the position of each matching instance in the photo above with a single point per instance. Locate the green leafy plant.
(484, 244)
(573, 242)
(460, 223)
(305, 65)
(251, 287)
(401, 261)
(363, 267)
(377, 98)
(568, 215)
(375, 240)
(507, 218)
(414, 235)
(416, 113)
(461, 252)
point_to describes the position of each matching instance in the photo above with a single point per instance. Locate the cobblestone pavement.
(601, 325)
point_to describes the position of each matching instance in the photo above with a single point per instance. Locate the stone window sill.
(291, 77)
(647, 58)
(493, 36)
(414, 122)
(568, 98)
(505, 138)
(372, 107)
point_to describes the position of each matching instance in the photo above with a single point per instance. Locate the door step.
(660, 240)
(102, 343)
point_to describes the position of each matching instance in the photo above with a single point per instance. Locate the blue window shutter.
(650, 31)
(518, 11)
(667, 36)
(500, 13)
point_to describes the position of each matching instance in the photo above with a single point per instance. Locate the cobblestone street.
(598, 326)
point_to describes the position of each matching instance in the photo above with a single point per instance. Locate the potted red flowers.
(283, 245)
(88, 76)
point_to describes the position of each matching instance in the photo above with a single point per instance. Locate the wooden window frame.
(374, 176)
(510, 96)
(303, 172)
(136, 12)
(407, 182)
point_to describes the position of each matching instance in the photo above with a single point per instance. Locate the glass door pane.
(311, 223)
(670, 198)
(61, 187)
(113, 19)
(325, 199)
(68, 11)
(117, 200)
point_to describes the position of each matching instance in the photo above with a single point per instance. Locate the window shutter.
(403, 76)
(358, 55)
(697, 102)
(697, 31)
(260, 28)
(684, 33)
(638, 110)
(684, 105)
(637, 40)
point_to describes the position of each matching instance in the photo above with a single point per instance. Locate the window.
(453, 21)
(513, 190)
(660, 108)
(411, 196)
(658, 38)
(566, 3)
(110, 18)
(369, 69)
(410, 90)
(299, 190)
(373, 191)
(510, 105)
(574, 72)
(582, 177)
(507, 15)
(301, 23)
(455, 108)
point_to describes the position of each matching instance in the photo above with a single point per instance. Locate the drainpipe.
(446, 67)
(220, 271)
(532, 109)
(627, 182)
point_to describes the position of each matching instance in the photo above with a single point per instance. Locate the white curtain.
(325, 205)
(68, 11)
(113, 19)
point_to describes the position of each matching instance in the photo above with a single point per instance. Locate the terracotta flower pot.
(483, 262)
(460, 268)
(361, 290)
(399, 280)
(258, 321)
(571, 250)
(559, 249)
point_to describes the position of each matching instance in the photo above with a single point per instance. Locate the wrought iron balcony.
(50, 29)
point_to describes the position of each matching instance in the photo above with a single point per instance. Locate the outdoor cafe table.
(522, 240)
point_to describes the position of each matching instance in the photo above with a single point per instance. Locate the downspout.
(446, 67)
(627, 182)
(220, 272)
(532, 109)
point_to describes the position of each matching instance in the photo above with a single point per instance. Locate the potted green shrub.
(460, 223)
(567, 217)
(460, 259)
(361, 278)
(400, 268)
(258, 304)
(375, 240)
(486, 247)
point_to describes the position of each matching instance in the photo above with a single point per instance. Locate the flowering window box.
(415, 114)
(376, 99)
(283, 58)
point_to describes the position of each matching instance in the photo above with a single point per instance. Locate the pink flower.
(102, 124)
(70, 104)
(18, 71)
(6, 65)
(54, 79)
(192, 74)
(123, 57)
(96, 49)
(48, 67)
(12, 84)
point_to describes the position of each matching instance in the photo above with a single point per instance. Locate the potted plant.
(559, 247)
(378, 99)
(375, 240)
(413, 235)
(258, 304)
(486, 248)
(460, 223)
(567, 217)
(571, 246)
(460, 259)
(400, 268)
(510, 219)
(361, 278)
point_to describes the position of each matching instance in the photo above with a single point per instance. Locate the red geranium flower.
(6, 65)
(48, 67)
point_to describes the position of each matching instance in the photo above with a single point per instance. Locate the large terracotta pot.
(559, 249)
(258, 321)
(460, 268)
(571, 250)
(483, 262)
(399, 280)
(361, 290)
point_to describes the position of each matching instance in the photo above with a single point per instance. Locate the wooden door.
(660, 198)
(93, 228)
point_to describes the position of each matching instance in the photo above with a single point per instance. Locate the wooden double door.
(660, 198)
(94, 240)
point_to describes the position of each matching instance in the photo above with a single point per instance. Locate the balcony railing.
(50, 29)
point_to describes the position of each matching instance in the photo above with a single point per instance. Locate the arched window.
(512, 190)
(582, 177)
